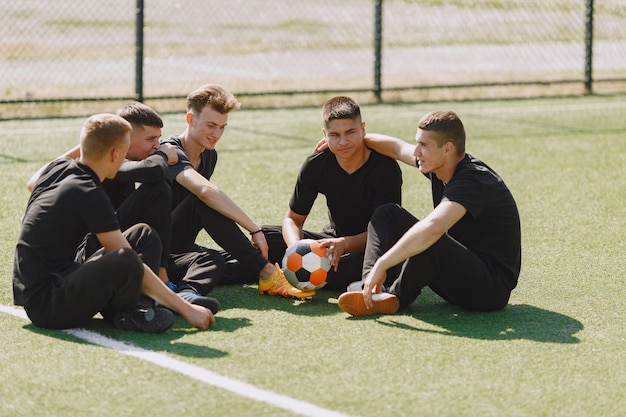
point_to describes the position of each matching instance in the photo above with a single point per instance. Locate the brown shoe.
(352, 302)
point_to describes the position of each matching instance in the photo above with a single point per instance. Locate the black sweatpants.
(106, 283)
(150, 203)
(450, 269)
(199, 269)
(243, 261)
(350, 265)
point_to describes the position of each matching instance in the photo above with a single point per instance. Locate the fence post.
(589, 48)
(139, 51)
(378, 37)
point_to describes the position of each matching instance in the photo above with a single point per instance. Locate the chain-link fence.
(63, 57)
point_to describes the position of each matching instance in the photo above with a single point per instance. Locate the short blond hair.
(102, 132)
(220, 99)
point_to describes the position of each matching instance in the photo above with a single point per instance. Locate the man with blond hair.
(199, 204)
(67, 202)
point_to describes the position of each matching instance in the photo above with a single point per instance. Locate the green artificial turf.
(556, 350)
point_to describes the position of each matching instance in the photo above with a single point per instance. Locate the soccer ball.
(306, 265)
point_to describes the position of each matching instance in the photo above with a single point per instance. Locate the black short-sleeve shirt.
(206, 168)
(350, 198)
(67, 202)
(491, 226)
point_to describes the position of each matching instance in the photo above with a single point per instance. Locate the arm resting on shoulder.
(73, 153)
(151, 169)
(392, 147)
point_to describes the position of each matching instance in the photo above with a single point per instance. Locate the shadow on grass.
(165, 342)
(172, 341)
(516, 321)
(247, 297)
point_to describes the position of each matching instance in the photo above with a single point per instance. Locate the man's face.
(345, 137)
(144, 141)
(207, 127)
(430, 157)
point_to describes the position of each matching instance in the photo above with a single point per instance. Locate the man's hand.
(170, 151)
(199, 316)
(259, 242)
(335, 247)
(373, 285)
(322, 145)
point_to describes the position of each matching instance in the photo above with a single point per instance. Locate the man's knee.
(141, 232)
(129, 261)
(386, 211)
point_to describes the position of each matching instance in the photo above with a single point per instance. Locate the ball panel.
(294, 261)
(291, 277)
(311, 262)
(302, 275)
(318, 250)
(325, 263)
(318, 277)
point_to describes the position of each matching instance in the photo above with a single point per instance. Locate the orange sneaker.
(353, 303)
(277, 284)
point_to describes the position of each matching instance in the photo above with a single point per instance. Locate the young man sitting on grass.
(67, 202)
(191, 274)
(353, 179)
(467, 250)
(199, 204)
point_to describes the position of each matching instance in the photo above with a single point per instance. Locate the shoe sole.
(353, 303)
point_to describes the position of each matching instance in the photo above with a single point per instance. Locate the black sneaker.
(146, 320)
(193, 297)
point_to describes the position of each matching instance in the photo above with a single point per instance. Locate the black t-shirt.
(350, 198)
(491, 226)
(206, 168)
(67, 202)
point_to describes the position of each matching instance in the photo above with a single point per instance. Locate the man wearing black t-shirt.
(467, 250)
(354, 179)
(199, 204)
(66, 203)
(191, 274)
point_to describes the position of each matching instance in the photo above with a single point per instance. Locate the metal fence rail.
(74, 57)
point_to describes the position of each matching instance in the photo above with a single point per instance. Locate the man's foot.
(145, 320)
(193, 297)
(277, 284)
(353, 303)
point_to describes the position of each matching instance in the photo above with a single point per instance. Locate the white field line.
(195, 372)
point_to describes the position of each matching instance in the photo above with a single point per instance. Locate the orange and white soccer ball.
(306, 265)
